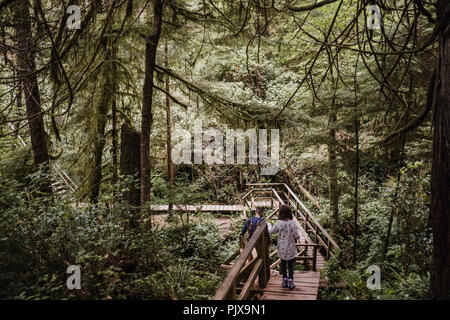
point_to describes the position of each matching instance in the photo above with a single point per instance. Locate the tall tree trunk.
(169, 132)
(440, 176)
(130, 165)
(355, 205)
(114, 134)
(114, 149)
(394, 201)
(332, 170)
(27, 74)
(100, 119)
(151, 46)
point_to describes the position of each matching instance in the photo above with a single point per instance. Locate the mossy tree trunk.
(100, 119)
(333, 190)
(440, 176)
(151, 46)
(168, 129)
(115, 147)
(27, 74)
(130, 165)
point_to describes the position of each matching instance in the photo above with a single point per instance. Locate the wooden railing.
(241, 279)
(302, 255)
(64, 178)
(262, 194)
(301, 212)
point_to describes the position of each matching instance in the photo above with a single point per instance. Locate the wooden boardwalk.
(252, 275)
(202, 208)
(304, 238)
(210, 207)
(306, 287)
(306, 282)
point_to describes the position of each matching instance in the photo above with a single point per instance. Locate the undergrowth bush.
(405, 263)
(42, 236)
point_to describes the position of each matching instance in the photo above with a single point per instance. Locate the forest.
(117, 155)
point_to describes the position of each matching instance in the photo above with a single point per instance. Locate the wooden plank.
(263, 252)
(306, 287)
(303, 286)
(203, 208)
(246, 270)
(229, 282)
(310, 275)
(298, 274)
(289, 297)
(251, 279)
(298, 290)
(297, 278)
(231, 258)
(276, 263)
(309, 284)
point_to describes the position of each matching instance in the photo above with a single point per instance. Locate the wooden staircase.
(247, 280)
(62, 184)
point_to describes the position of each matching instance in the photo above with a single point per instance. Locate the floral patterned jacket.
(287, 234)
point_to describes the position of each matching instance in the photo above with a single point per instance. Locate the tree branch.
(417, 121)
(310, 7)
(5, 3)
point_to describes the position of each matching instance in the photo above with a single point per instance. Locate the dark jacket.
(251, 225)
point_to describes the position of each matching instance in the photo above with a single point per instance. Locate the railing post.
(266, 239)
(314, 258)
(272, 198)
(241, 269)
(328, 249)
(263, 251)
(315, 234)
(233, 291)
(306, 221)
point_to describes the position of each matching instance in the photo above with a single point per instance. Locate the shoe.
(285, 283)
(291, 284)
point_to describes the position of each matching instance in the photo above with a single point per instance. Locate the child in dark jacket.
(252, 223)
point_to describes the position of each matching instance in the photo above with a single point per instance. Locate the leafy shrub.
(42, 236)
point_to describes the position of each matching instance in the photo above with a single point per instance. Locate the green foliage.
(16, 163)
(351, 284)
(232, 71)
(39, 241)
(405, 267)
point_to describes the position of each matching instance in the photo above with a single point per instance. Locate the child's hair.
(285, 213)
(259, 211)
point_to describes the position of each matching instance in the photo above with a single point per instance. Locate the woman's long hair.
(285, 213)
